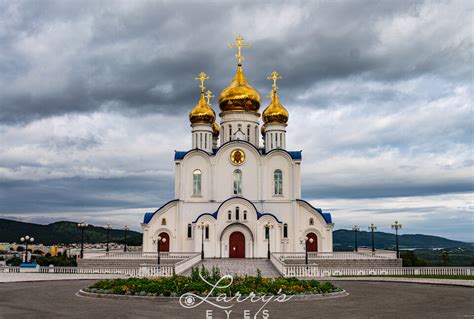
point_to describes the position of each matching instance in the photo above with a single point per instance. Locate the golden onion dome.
(275, 112)
(215, 129)
(239, 95)
(202, 112)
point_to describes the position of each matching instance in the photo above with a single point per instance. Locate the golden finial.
(202, 77)
(275, 77)
(239, 45)
(208, 96)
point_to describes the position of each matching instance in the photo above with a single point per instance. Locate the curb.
(82, 293)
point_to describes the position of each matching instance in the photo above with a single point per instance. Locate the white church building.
(234, 196)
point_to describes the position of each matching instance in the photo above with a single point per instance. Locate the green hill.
(344, 240)
(62, 233)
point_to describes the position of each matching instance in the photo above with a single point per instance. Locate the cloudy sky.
(94, 99)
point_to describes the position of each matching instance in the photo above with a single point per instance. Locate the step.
(241, 267)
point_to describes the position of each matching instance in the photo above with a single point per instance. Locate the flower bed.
(176, 285)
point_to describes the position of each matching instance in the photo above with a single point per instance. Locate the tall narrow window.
(229, 215)
(230, 132)
(190, 231)
(207, 232)
(197, 182)
(245, 215)
(248, 133)
(311, 221)
(200, 140)
(163, 222)
(205, 141)
(237, 182)
(237, 213)
(278, 182)
(267, 232)
(285, 230)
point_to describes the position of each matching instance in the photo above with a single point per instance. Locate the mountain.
(62, 232)
(344, 240)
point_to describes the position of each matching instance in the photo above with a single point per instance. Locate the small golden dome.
(275, 112)
(202, 112)
(215, 129)
(239, 95)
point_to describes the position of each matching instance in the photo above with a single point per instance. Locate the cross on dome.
(202, 77)
(239, 45)
(208, 96)
(275, 77)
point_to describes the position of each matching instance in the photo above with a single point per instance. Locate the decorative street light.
(108, 227)
(125, 229)
(26, 239)
(82, 226)
(372, 228)
(356, 229)
(307, 240)
(397, 226)
(202, 226)
(158, 242)
(268, 226)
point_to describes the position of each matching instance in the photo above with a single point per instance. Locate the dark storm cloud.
(142, 56)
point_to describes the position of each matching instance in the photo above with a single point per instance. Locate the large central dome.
(239, 95)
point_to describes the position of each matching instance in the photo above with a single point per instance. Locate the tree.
(411, 260)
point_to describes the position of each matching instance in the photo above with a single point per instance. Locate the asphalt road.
(365, 300)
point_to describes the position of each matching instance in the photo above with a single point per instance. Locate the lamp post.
(108, 227)
(268, 226)
(26, 239)
(202, 226)
(125, 229)
(307, 240)
(356, 229)
(158, 242)
(82, 226)
(372, 228)
(397, 226)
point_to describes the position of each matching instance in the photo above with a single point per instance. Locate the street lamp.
(307, 240)
(356, 229)
(125, 229)
(397, 226)
(158, 242)
(82, 226)
(26, 239)
(268, 225)
(108, 227)
(202, 226)
(372, 228)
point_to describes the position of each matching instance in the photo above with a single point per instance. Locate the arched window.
(190, 231)
(248, 133)
(229, 215)
(207, 232)
(278, 182)
(230, 132)
(267, 232)
(285, 230)
(197, 176)
(311, 221)
(245, 215)
(237, 213)
(237, 182)
(163, 222)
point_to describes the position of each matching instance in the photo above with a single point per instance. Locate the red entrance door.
(237, 245)
(312, 246)
(164, 245)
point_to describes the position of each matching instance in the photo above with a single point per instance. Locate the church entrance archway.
(164, 244)
(312, 246)
(237, 245)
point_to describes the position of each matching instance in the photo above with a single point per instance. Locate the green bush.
(178, 285)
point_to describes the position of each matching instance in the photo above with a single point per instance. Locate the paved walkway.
(237, 266)
(455, 282)
(19, 277)
(365, 300)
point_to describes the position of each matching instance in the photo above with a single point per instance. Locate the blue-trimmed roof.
(296, 155)
(149, 215)
(179, 155)
(327, 216)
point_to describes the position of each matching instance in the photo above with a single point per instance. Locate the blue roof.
(327, 216)
(296, 155)
(148, 216)
(28, 265)
(179, 155)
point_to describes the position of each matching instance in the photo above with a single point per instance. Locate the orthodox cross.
(208, 96)
(275, 77)
(202, 77)
(239, 45)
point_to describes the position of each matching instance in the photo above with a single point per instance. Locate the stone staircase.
(239, 266)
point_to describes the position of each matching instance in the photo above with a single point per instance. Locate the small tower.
(202, 118)
(275, 118)
(239, 104)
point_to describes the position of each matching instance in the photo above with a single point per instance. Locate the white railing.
(137, 255)
(396, 271)
(9, 269)
(156, 271)
(185, 264)
(337, 255)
